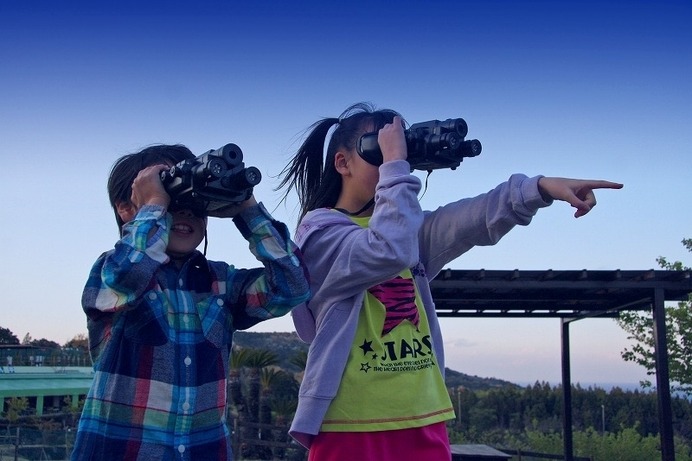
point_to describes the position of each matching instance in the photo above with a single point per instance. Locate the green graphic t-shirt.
(391, 380)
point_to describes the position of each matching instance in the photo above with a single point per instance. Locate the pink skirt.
(429, 443)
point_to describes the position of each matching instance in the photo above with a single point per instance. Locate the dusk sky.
(598, 90)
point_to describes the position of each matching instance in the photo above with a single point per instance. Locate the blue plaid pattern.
(160, 338)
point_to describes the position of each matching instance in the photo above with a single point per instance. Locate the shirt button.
(152, 295)
(186, 318)
(219, 302)
(186, 406)
(180, 282)
(181, 448)
(187, 361)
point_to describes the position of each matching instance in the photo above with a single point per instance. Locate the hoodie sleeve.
(344, 259)
(455, 228)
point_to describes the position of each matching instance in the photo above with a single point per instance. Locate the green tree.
(45, 343)
(239, 359)
(639, 327)
(244, 390)
(79, 342)
(7, 337)
(16, 407)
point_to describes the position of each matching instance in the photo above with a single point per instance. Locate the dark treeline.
(531, 418)
(539, 407)
(614, 425)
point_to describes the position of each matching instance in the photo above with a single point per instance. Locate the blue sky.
(593, 90)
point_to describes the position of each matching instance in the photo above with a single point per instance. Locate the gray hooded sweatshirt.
(344, 260)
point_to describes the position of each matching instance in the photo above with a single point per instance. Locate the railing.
(265, 442)
(45, 357)
(24, 443)
(522, 455)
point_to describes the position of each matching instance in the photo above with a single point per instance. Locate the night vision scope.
(212, 181)
(431, 145)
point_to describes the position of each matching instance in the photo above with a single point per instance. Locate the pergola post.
(665, 414)
(566, 394)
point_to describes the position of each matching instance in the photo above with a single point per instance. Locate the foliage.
(285, 346)
(44, 343)
(625, 445)
(608, 425)
(79, 342)
(455, 379)
(260, 392)
(7, 337)
(487, 416)
(678, 320)
(16, 407)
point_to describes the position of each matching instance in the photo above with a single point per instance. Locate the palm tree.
(239, 360)
(253, 362)
(300, 359)
(258, 359)
(269, 377)
(283, 408)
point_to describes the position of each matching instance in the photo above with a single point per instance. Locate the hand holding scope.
(211, 181)
(431, 145)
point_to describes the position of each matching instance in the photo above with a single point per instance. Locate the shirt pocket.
(144, 326)
(217, 321)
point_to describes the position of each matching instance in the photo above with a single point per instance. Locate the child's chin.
(179, 254)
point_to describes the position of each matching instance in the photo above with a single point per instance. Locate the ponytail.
(316, 181)
(307, 172)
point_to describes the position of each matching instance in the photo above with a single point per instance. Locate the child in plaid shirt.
(161, 318)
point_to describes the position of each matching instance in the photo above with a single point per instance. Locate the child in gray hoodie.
(374, 381)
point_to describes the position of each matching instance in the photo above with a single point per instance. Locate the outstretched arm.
(577, 192)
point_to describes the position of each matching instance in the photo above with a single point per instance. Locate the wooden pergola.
(571, 295)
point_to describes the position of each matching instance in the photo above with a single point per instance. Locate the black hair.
(314, 177)
(127, 167)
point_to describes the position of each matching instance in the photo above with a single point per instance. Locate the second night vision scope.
(431, 145)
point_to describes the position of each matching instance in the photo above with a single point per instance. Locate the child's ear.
(341, 163)
(126, 211)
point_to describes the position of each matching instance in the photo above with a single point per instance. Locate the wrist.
(545, 195)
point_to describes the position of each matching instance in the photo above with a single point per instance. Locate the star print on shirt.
(365, 367)
(366, 346)
(398, 296)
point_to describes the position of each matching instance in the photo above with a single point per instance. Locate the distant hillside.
(455, 379)
(287, 346)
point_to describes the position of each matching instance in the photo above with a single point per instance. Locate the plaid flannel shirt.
(160, 338)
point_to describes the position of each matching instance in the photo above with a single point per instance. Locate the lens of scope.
(252, 176)
(232, 154)
(471, 148)
(437, 142)
(457, 125)
(215, 167)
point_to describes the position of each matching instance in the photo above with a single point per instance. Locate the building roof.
(33, 384)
